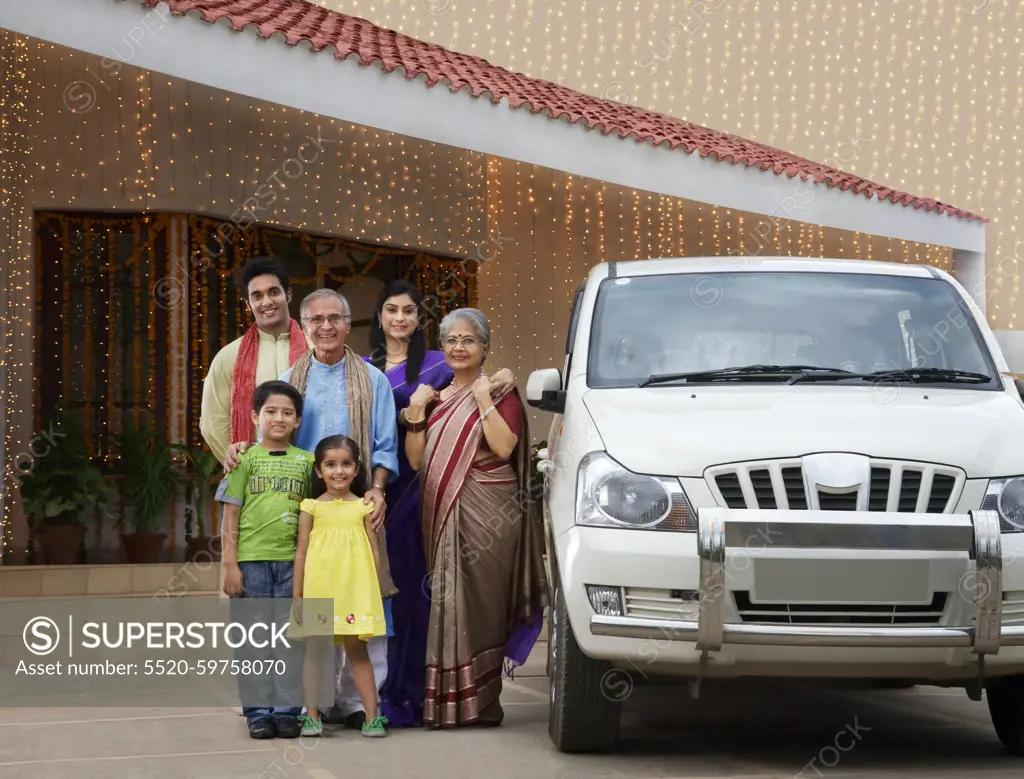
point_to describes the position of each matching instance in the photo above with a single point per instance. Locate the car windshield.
(862, 323)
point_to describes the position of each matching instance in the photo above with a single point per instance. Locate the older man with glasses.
(345, 395)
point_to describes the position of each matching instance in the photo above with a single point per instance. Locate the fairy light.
(1012, 241)
(523, 201)
(635, 221)
(743, 45)
(551, 269)
(563, 47)
(532, 200)
(151, 120)
(663, 236)
(11, 103)
(583, 37)
(495, 181)
(455, 28)
(825, 101)
(620, 196)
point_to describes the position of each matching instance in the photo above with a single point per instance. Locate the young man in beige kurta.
(268, 293)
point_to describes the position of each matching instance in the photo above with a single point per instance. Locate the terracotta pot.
(61, 543)
(143, 547)
(202, 549)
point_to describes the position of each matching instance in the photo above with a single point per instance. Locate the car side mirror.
(1019, 382)
(544, 390)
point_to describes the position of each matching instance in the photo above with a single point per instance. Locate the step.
(108, 581)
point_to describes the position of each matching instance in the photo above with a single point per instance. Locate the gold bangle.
(418, 426)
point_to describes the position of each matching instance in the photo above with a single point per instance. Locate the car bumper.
(856, 555)
(772, 635)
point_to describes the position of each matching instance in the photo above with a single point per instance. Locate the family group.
(395, 485)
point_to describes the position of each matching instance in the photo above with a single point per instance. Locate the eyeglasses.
(451, 343)
(334, 319)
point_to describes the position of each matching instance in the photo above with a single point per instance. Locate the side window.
(574, 319)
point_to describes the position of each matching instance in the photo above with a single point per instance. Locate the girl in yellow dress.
(337, 558)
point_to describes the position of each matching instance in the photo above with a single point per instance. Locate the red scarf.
(243, 380)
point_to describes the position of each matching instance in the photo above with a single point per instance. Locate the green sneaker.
(375, 728)
(310, 726)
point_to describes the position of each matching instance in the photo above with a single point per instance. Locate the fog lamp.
(607, 601)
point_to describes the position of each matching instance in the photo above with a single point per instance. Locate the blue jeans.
(271, 579)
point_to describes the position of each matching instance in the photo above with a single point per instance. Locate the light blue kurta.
(325, 412)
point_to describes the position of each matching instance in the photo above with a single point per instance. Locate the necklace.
(401, 357)
(452, 389)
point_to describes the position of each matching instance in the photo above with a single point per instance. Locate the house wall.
(922, 95)
(98, 138)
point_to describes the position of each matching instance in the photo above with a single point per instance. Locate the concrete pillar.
(1011, 343)
(969, 270)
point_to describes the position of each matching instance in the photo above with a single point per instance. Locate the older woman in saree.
(488, 587)
(398, 346)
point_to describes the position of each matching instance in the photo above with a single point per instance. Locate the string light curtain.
(922, 96)
(17, 133)
(101, 337)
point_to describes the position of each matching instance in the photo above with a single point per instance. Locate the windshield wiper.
(743, 372)
(930, 375)
(801, 373)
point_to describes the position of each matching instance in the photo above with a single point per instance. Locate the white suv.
(795, 468)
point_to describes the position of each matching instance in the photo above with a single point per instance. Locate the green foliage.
(60, 483)
(534, 459)
(148, 473)
(536, 477)
(203, 471)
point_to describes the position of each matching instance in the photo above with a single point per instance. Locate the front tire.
(1006, 706)
(582, 718)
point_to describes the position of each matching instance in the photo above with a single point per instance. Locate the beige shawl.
(359, 397)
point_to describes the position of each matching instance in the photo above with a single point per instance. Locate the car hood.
(680, 431)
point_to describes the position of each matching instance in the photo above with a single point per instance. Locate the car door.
(554, 438)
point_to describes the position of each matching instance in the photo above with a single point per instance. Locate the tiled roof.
(298, 21)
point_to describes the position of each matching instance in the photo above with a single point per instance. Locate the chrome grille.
(894, 486)
(1013, 607)
(660, 604)
(840, 614)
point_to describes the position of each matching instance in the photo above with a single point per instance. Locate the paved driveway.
(739, 731)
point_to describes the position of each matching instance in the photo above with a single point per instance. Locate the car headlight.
(608, 495)
(1006, 497)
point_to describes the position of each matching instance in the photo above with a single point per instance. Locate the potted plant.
(58, 486)
(149, 480)
(536, 484)
(203, 473)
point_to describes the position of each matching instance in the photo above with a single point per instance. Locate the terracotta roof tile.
(301, 21)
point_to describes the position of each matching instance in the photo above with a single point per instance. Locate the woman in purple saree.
(398, 347)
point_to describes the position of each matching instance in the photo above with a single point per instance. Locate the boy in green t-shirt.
(261, 500)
